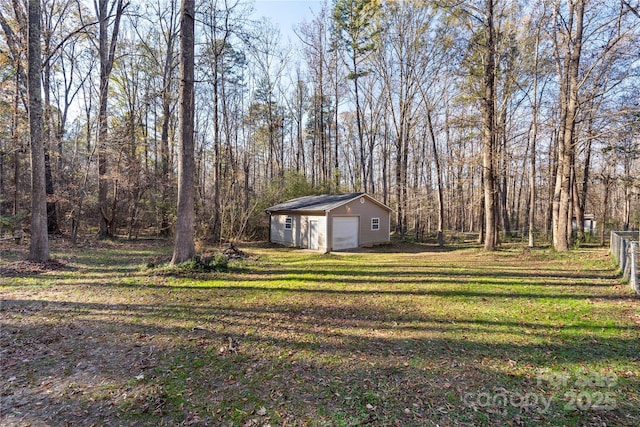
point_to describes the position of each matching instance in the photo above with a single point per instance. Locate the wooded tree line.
(490, 116)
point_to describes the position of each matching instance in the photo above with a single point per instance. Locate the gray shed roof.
(324, 202)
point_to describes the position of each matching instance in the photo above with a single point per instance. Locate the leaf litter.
(126, 355)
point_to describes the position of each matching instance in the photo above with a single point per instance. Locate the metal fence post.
(622, 253)
(624, 249)
(633, 279)
(612, 244)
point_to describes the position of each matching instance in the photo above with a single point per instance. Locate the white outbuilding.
(330, 222)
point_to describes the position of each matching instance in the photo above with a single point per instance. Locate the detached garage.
(330, 222)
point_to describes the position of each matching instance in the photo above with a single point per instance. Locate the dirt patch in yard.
(31, 268)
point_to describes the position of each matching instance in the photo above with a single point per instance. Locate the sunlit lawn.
(401, 335)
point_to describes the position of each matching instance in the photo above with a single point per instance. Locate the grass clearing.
(401, 335)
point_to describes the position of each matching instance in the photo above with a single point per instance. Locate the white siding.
(365, 211)
(298, 236)
(278, 233)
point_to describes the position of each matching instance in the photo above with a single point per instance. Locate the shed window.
(375, 224)
(288, 223)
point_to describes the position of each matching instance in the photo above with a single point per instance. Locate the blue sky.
(287, 13)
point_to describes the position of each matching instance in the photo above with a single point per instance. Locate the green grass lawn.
(401, 335)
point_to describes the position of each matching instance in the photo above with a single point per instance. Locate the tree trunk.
(607, 181)
(164, 164)
(106, 52)
(363, 161)
(578, 209)
(104, 222)
(532, 172)
(2, 190)
(385, 165)
(336, 94)
(15, 139)
(533, 142)
(184, 246)
(52, 214)
(39, 246)
(438, 179)
(216, 221)
(165, 178)
(582, 190)
(400, 214)
(488, 132)
(502, 191)
(52, 211)
(167, 96)
(567, 152)
(482, 212)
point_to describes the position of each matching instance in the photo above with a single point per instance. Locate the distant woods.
(501, 118)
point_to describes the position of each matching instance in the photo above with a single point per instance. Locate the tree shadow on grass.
(218, 363)
(216, 319)
(32, 268)
(144, 353)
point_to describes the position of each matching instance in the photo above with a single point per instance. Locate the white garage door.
(345, 233)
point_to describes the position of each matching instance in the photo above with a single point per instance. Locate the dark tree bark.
(39, 246)
(184, 246)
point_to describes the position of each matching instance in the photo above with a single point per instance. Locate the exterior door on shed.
(313, 235)
(345, 232)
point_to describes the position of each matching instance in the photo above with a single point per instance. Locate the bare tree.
(219, 24)
(39, 246)
(603, 34)
(184, 245)
(436, 159)
(404, 63)
(534, 129)
(461, 119)
(481, 61)
(14, 26)
(270, 61)
(355, 24)
(488, 128)
(314, 37)
(570, 48)
(163, 57)
(52, 18)
(108, 12)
